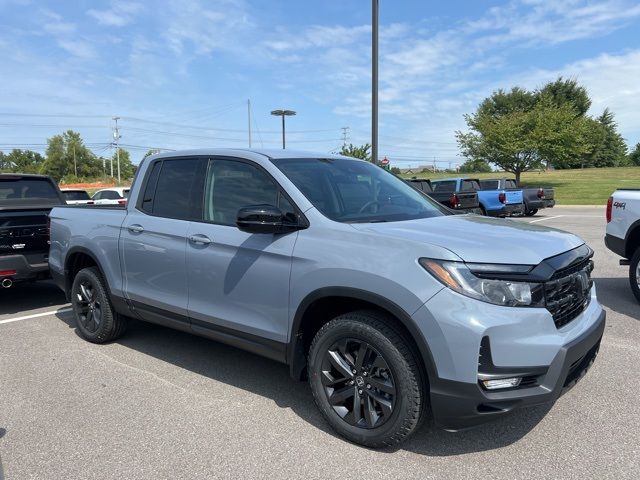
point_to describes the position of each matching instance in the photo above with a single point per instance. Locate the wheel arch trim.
(295, 349)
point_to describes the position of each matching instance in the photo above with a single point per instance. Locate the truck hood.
(477, 239)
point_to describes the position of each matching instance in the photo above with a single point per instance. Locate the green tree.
(362, 152)
(609, 148)
(520, 136)
(565, 91)
(67, 155)
(475, 166)
(21, 161)
(634, 155)
(127, 169)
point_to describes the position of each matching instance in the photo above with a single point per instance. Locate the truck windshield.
(15, 189)
(353, 191)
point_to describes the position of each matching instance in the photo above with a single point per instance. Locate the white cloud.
(119, 14)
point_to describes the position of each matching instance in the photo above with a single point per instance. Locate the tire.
(484, 211)
(387, 386)
(96, 321)
(531, 213)
(634, 274)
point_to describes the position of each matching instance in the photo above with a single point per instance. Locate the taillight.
(7, 273)
(122, 202)
(454, 201)
(609, 208)
(540, 193)
(502, 197)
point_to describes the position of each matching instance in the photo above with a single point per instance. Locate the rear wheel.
(365, 380)
(634, 274)
(96, 320)
(531, 213)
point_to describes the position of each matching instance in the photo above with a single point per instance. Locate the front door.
(239, 282)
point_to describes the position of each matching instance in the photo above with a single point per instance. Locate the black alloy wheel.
(358, 383)
(89, 306)
(95, 317)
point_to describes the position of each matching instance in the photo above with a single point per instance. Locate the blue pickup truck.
(496, 203)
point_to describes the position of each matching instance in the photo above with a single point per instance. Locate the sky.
(179, 74)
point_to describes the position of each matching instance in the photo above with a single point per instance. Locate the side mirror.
(263, 219)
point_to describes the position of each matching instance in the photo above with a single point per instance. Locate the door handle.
(200, 239)
(135, 228)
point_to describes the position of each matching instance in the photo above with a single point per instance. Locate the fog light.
(501, 383)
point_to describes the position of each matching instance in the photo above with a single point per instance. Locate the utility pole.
(374, 80)
(116, 136)
(345, 134)
(249, 119)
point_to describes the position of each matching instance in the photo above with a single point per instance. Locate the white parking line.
(546, 218)
(36, 315)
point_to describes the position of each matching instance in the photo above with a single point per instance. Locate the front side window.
(232, 185)
(511, 184)
(351, 191)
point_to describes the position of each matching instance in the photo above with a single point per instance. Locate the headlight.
(458, 277)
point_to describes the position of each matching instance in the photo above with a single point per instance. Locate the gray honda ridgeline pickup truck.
(393, 308)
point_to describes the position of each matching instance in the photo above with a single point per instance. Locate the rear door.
(238, 281)
(154, 237)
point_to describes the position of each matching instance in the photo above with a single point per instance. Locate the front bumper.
(459, 405)
(24, 269)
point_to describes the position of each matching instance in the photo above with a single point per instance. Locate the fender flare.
(295, 349)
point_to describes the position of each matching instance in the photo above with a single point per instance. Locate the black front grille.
(567, 294)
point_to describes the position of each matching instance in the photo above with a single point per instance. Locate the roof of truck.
(271, 153)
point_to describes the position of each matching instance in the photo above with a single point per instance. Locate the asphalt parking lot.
(164, 404)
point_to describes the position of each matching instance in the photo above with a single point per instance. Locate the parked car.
(534, 198)
(495, 203)
(394, 309)
(459, 202)
(111, 196)
(76, 196)
(623, 232)
(25, 202)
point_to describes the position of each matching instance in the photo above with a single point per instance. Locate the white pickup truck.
(623, 231)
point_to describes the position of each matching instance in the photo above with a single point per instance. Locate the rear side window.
(110, 195)
(76, 195)
(470, 185)
(446, 186)
(34, 189)
(150, 188)
(489, 184)
(178, 188)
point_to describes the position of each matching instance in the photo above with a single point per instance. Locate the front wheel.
(634, 274)
(365, 380)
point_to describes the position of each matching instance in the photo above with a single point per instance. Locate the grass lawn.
(590, 186)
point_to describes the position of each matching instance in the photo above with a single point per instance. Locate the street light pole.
(283, 113)
(374, 80)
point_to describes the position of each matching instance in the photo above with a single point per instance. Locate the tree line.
(68, 160)
(521, 130)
